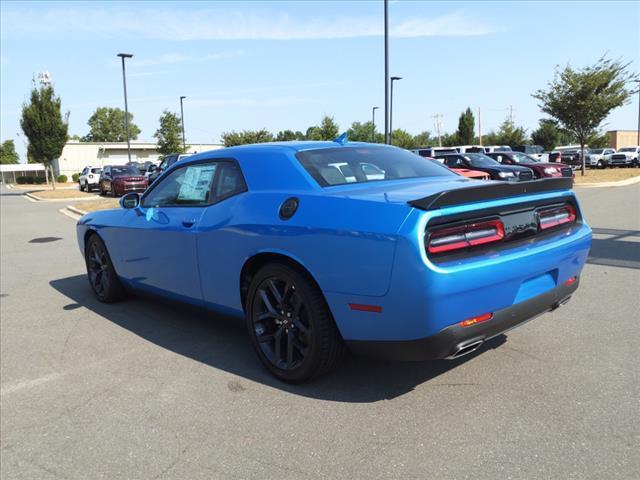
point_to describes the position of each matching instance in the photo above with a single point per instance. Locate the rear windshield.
(480, 160)
(339, 166)
(96, 170)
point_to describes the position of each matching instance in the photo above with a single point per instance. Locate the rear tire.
(102, 276)
(290, 325)
(113, 191)
(81, 187)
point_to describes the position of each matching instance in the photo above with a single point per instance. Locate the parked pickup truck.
(625, 157)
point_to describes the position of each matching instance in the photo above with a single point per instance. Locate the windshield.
(522, 158)
(627, 149)
(338, 166)
(124, 171)
(480, 160)
(597, 151)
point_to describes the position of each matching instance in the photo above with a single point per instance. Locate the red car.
(121, 179)
(540, 169)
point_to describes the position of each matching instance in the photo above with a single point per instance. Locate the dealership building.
(77, 155)
(623, 138)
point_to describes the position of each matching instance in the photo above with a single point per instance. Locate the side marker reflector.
(365, 308)
(479, 319)
(570, 281)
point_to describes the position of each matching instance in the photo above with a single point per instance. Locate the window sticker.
(196, 183)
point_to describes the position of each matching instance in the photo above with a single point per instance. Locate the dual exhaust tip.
(467, 348)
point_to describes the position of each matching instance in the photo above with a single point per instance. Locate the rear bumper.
(449, 341)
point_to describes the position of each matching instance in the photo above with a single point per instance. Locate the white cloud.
(175, 58)
(217, 24)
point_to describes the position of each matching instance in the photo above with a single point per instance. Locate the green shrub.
(39, 180)
(62, 179)
(30, 181)
(75, 177)
(21, 180)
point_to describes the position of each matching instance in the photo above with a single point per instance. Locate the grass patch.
(102, 204)
(61, 194)
(606, 175)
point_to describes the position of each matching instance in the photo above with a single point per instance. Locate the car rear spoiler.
(490, 191)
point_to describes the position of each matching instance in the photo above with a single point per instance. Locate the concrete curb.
(621, 183)
(69, 213)
(72, 199)
(75, 210)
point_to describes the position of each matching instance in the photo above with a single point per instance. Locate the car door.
(158, 239)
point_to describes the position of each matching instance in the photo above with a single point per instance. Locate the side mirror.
(152, 168)
(130, 200)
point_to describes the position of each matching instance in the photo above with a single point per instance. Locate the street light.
(126, 107)
(393, 79)
(386, 72)
(638, 139)
(184, 145)
(373, 124)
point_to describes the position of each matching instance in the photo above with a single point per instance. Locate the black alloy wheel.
(290, 325)
(102, 276)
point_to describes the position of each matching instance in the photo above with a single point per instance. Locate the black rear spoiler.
(490, 191)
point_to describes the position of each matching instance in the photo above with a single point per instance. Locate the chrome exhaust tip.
(463, 350)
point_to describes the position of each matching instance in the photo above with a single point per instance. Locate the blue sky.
(283, 65)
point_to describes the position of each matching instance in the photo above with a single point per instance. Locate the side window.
(229, 181)
(189, 185)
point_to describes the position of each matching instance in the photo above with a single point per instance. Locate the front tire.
(102, 276)
(290, 325)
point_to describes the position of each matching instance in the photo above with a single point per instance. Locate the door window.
(190, 185)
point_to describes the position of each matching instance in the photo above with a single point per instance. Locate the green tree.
(403, 139)
(169, 134)
(45, 126)
(549, 135)
(288, 135)
(107, 125)
(466, 127)
(580, 99)
(327, 130)
(424, 139)
(8, 154)
(450, 139)
(507, 134)
(599, 140)
(245, 137)
(364, 132)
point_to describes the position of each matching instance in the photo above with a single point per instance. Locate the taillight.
(465, 236)
(556, 216)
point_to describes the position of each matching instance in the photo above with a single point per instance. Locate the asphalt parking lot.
(142, 389)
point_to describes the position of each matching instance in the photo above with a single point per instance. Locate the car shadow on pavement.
(222, 342)
(615, 248)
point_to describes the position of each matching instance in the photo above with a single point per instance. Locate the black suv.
(167, 161)
(482, 163)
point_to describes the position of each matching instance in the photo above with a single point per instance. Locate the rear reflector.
(570, 281)
(465, 236)
(365, 308)
(479, 319)
(556, 216)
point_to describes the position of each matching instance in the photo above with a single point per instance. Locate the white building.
(77, 155)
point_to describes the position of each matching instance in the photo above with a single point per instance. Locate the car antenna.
(342, 139)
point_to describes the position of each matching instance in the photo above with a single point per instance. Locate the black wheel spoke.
(280, 325)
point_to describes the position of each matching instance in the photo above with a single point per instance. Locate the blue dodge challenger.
(321, 246)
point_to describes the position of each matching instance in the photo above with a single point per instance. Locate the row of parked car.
(117, 180)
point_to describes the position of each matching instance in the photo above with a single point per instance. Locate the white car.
(599, 157)
(89, 178)
(625, 157)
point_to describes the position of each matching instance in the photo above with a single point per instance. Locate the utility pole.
(386, 71)
(373, 124)
(393, 79)
(479, 127)
(184, 142)
(438, 125)
(511, 113)
(126, 108)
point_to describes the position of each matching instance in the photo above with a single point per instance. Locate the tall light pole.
(638, 139)
(393, 79)
(386, 72)
(184, 142)
(126, 107)
(373, 124)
